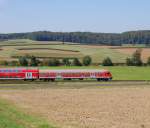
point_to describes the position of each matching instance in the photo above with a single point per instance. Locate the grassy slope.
(97, 53)
(119, 72)
(11, 117)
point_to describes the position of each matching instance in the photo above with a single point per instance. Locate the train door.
(29, 75)
(59, 76)
(93, 75)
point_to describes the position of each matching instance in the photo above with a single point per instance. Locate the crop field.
(11, 50)
(84, 105)
(130, 51)
(13, 117)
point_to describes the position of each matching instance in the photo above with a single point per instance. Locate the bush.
(23, 61)
(44, 62)
(53, 62)
(13, 63)
(66, 62)
(148, 61)
(34, 61)
(76, 62)
(87, 60)
(135, 60)
(107, 62)
(129, 62)
(5, 63)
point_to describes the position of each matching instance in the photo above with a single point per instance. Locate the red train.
(52, 75)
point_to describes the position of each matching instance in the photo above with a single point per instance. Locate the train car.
(19, 73)
(100, 75)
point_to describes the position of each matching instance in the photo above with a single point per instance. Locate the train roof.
(73, 70)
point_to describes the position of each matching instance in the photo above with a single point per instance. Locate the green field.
(11, 50)
(12, 117)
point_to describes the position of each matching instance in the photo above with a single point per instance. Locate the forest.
(131, 37)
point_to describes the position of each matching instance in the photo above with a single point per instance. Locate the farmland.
(84, 105)
(11, 50)
(13, 117)
(121, 103)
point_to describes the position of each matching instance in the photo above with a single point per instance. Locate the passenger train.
(52, 75)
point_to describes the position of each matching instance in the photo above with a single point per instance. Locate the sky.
(108, 16)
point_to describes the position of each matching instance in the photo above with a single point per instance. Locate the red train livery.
(19, 73)
(47, 75)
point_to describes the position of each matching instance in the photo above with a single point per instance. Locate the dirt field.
(130, 51)
(91, 107)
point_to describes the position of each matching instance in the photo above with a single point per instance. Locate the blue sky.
(74, 15)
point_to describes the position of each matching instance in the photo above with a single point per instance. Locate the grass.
(49, 49)
(11, 48)
(118, 72)
(130, 73)
(12, 117)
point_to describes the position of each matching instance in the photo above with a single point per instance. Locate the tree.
(53, 62)
(4, 63)
(45, 62)
(107, 62)
(148, 61)
(129, 62)
(66, 62)
(13, 63)
(136, 58)
(23, 61)
(76, 62)
(34, 61)
(87, 60)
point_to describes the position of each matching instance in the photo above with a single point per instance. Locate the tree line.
(132, 37)
(134, 60)
(32, 61)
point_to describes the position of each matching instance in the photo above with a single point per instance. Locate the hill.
(132, 37)
(11, 50)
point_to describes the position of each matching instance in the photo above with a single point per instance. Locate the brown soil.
(117, 107)
(52, 49)
(130, 51)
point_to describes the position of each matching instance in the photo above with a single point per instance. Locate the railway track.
(4, 85)
(74, 81)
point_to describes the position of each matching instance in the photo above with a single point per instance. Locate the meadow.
(11, 50)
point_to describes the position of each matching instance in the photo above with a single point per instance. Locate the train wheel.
(67, 79)
(98, 79)
(45, 80)
(81, 79)
(52, 80)
(106, 79)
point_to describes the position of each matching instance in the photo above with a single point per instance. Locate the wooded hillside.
(132, 37)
